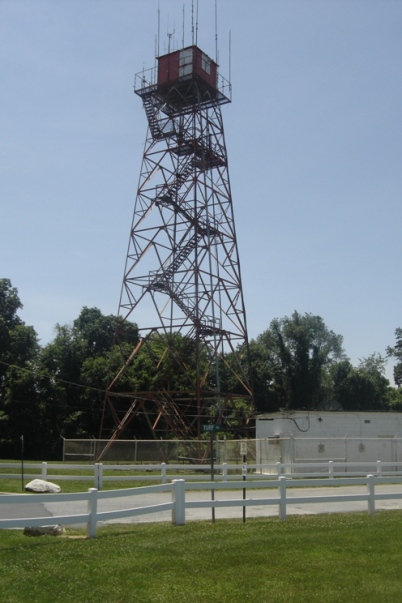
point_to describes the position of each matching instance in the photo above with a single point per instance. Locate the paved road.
(17, 511)
(51, 509)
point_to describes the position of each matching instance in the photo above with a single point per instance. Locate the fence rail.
(179, 502)
(91, 517)
(99, 473)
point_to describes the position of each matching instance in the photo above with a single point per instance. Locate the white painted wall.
(322, 436)
(317, 424)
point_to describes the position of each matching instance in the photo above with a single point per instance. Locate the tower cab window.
(205, 63)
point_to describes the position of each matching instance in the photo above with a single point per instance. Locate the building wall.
(322, 436)
(316, 424)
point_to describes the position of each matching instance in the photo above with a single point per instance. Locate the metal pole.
(22, 463)
(243, 452)
(212, 475)
(244, 489)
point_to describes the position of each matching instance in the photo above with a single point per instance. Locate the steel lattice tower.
(182, 266)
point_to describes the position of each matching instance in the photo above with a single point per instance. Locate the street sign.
(243, 448)
(211, 427)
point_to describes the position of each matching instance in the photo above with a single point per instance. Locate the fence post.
(379, 468)
(179, 502)
(370, 494)
(282, 498)
(92, 511)
(98, 477)
(44, 470)
(163, 472)
(330, 469)
(224, 472)
(278, 468)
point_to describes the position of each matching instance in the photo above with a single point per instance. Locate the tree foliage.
(290, 362)
(78, 365)
(364, 387)
(18, 354)
(396, 352)
(56, 391)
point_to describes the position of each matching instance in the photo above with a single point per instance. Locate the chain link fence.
(157, 451)
(268, 451)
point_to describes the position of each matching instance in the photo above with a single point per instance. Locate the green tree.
(19, 405)
(265, 390)
(395, 398)
(75, 369)
(364, 387)
(396, 352)
(9, 305)
(291, 362)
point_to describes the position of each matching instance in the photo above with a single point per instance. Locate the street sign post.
(243, 452)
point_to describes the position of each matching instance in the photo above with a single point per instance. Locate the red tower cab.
(183, 65)
(182, 81)
(187, 78)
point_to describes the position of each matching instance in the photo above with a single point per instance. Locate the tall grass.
(326, 558)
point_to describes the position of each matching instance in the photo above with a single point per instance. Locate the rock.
(40, 485)
(44, 531)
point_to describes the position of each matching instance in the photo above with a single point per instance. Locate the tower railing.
(146, 81)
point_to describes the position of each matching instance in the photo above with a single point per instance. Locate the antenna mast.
(159, 26)
(196, 24)
(216, 31)
(183, 25)
(230, 57)
(192, 22)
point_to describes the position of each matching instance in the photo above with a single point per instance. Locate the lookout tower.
(182, 282)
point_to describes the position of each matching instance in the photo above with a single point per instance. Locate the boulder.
(44, 531)
(40, 485)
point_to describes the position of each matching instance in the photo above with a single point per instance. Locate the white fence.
(179, 503)
(98, 473)
(92, 516)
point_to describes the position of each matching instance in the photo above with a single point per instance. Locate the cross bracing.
(182, 272)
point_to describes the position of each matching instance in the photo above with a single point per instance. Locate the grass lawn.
(343, 558)
(14, 486)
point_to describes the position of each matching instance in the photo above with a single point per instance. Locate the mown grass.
(324, 558)
(14, 486)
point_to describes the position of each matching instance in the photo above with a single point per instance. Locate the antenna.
(182, 44)
(216, 31)
(192, 22)
(159, 24)
(170, 35)
(230, 57)
(196, 25)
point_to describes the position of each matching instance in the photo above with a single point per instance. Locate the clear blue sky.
(314, 139)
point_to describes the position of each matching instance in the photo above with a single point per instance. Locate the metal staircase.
(158, 125)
